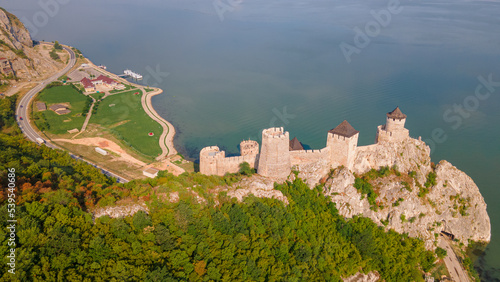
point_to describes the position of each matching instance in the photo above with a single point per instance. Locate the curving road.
(22, 116)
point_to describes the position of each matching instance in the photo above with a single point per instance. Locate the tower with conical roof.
(342, 142)
(394, 129)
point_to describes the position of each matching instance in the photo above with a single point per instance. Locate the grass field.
(124, 116)
(97, 96)
(60, 124)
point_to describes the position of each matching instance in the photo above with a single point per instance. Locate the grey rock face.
(454, 204)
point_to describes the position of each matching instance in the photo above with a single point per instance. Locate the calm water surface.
(278, 63)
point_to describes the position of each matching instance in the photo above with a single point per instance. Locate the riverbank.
(166, 141)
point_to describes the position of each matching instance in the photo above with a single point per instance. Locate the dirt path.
(105, 144)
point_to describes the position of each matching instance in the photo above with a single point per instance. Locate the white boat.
(132, 74)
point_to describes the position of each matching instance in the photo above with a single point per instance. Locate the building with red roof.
(102, 81)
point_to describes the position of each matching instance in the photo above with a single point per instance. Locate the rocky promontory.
(16, 46)
(409, 193)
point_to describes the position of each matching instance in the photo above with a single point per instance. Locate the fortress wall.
(366, 148)
(232, 164)
(308, 156)
(391, 136)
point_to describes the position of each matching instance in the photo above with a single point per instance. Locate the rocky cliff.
(413, 197)
(16, 45)
(411, 194)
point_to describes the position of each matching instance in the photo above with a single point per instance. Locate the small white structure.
(150, 172)
(132, 74)
(101, 151)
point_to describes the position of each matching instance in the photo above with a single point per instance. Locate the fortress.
(278, 154)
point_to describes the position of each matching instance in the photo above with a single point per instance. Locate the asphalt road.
(22, 116)
(457, 273)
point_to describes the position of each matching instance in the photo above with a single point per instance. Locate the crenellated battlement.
(275, 133)
(278, 153)
(249, 147)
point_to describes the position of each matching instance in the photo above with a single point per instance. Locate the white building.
(150, 172)
(101, 151)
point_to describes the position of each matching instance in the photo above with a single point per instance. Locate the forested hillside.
(220, 240)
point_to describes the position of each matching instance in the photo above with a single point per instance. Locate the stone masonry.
(276, 158)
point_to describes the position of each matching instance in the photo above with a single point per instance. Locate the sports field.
(60, 124)
(124, 116)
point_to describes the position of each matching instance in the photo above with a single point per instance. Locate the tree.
(441, 253)
(245, 169)
(57, 46)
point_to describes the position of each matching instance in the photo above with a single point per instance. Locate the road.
(457, 273)
(24, 104)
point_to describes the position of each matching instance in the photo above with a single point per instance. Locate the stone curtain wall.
(275, 160)
(308, 156)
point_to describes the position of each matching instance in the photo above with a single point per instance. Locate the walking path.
(457, 273)
(89, 114)
(167, 137)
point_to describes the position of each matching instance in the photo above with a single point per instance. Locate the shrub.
(431, 180)
(245, 169)
(440, 252)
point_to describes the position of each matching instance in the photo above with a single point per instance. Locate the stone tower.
(394, 129)
(249, 147)
(209, 156)
(274, 160)
(342, 141)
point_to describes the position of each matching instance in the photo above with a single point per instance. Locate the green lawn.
(124, 116)
(97, 96)
(127, 87)
(60, 124)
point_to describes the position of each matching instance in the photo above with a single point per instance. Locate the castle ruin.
(279, 154)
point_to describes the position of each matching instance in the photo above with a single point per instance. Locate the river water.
(231, 68)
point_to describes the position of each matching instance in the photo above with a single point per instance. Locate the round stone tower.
(208, 159)
(395, 120)
(394, 129)
(249, 147)
(274, 160)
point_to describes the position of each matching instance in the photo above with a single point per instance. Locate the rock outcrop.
(120, 211)
(453, 204)
(27, 61)
(361, 277)
(256, 185)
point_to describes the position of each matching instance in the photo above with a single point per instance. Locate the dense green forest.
(219, 240)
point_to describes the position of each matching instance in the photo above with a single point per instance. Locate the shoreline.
(166, 141)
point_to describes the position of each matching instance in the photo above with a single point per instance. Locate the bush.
(365, 188)
(431, 180)
(57, 46)
(54, 55)
(440, 252)
(245, 169)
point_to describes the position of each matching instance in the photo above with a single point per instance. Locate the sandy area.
(124, 156)
(170, 167)
(105, 144)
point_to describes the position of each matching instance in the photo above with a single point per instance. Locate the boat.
(132, 74)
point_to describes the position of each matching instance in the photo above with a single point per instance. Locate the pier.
(132, 74)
